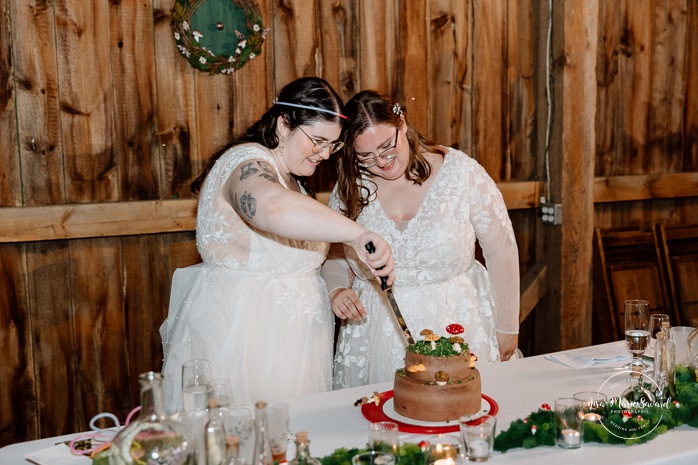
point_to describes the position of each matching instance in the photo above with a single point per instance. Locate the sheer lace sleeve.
(335, 270)
(493, 229)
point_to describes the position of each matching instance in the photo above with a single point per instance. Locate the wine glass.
(195, 377)
(221, 390)
(656, 320)
(637, 331)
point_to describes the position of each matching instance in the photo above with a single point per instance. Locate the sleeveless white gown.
(256, 307)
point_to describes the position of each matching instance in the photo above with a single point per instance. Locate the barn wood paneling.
(489, 85)
(176, 109)
(38, 107)
(10, 194)
(132, 52)
(87, 100)
(690, 153)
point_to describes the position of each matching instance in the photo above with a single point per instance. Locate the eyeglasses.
(385, 155)
(320, 146)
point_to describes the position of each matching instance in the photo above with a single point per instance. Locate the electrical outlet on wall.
(551, 213)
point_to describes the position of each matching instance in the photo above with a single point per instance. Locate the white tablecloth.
(519, 387)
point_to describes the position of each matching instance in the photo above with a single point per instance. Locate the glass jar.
(153, 438)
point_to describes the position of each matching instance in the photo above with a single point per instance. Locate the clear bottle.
(664, 368)
(262, 446)
(214, 436)
(233, 444)
(153, 438)
(303, 456)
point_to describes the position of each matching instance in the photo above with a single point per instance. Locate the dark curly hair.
(309, 91)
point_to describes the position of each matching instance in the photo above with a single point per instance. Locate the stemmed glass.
(656, 321)
(637, 334)
(195, 377)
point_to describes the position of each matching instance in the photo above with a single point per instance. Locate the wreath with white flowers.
(221, 46)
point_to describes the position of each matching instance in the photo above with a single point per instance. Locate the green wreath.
(218, 36)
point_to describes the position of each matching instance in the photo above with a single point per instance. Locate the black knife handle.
(370, 248)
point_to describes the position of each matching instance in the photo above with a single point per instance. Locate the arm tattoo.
(267, 172)
(247, 170)
(248, 204)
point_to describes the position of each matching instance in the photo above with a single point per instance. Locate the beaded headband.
(307, 107)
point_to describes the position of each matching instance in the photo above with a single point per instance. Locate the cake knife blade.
(393, 303)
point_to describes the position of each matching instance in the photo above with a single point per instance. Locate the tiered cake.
(439, 381)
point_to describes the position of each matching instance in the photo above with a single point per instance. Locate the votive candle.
(479, 449)
(571, 437)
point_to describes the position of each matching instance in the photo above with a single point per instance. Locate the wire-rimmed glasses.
(320, 145)
(386, 155)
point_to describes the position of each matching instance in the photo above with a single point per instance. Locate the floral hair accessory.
(397, 109)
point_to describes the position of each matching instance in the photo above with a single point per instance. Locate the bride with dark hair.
(256, 306)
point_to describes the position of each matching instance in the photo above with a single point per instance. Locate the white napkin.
(583, 358)
(57, 455)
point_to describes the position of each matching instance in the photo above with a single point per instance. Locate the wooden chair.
(678, 247)
(627, 265)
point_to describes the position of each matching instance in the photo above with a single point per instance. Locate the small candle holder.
(373, 458)
(569, 422)
(478, 437)
(593, 404)
(384, 436)
(444, 450)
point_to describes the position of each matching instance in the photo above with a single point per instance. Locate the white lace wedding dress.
(437, 279)
(256, 307)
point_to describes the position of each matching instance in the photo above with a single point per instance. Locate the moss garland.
(682, 410)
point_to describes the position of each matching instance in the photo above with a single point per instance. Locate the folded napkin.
(583, 358)
(57, 455)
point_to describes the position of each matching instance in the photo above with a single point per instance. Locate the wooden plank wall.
(647, 115)
(97, 106)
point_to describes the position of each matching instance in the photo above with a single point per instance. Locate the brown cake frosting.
(437, 383)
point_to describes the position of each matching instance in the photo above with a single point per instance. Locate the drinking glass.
(679, 335)
(569, 424)
(239, 421)
(195, 377)
(384, 436)
(593, 403)
(656, 321)
(444, 450)
(221, 390)
(478, 437)
(637, 334)
(195, 421)
(278, 423)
